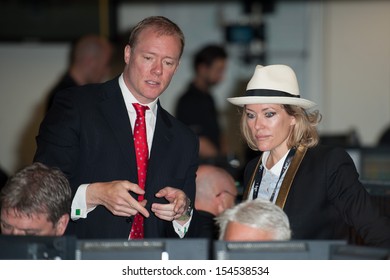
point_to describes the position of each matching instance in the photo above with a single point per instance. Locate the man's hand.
(178, 204)
(116, 198)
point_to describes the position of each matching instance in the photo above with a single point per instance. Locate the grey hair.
(258, 213)
(38, 189)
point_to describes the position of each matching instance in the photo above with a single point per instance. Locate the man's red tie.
(142, 154)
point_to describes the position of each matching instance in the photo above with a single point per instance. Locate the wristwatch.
(187, 214)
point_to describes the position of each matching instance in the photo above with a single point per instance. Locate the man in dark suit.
(88, 134)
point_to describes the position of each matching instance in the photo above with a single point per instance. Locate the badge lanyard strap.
(259, 175)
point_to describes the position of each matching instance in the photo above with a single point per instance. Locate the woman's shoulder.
(325, 149)
(325, 152)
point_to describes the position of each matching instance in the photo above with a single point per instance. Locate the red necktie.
(142, 154)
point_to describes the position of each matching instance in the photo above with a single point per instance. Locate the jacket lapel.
(250, 184)
(114, 111)
(161, 140)
(288, 178)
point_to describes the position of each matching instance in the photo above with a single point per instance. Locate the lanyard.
(259, 175)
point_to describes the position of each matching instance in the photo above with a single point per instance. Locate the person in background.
(384, 138)
(317, 186)
(35, 201)
(196, 106)
(89, 62)
(215, 192)
(254, 220)
(94, 135)
(3, 178)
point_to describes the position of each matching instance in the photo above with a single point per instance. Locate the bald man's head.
(215, 189)
(90, 59)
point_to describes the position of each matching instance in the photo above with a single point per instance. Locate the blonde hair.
(162, 25)
(304, 131)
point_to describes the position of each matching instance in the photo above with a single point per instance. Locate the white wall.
(357, 67)
(27, 73)
(341, 52)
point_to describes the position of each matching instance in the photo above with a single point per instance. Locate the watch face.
(189, 208)
(187, 214)
(189, 211)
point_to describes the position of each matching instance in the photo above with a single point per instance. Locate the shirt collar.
(130, 99)
(277, 168)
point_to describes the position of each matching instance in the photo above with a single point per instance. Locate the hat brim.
(245, 100)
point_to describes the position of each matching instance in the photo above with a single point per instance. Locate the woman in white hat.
(316, 186)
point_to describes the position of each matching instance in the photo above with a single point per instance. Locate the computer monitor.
(146, 249)
(372, 163)
(22, 247)
(355, 252)
(275, 250)
(375, 164)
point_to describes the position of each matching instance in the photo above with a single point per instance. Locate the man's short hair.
(37, 189)
(208, 54)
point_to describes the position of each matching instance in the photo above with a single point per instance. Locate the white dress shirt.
(270, 178)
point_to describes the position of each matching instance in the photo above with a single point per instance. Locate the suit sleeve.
(58, 137)
(189, 186)
(352, 200)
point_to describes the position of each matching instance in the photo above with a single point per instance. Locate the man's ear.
(221, 207)
(127, 53)
(62, 224)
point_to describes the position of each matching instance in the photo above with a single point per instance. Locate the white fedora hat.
(273, 84)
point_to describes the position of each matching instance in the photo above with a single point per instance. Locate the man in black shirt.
(196, 107)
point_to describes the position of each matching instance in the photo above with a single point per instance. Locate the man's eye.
(168, 63)
(5, 226)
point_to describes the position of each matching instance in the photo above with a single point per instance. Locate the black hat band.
(269, 92)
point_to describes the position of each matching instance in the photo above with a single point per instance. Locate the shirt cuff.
(79, 204)
(181, 230)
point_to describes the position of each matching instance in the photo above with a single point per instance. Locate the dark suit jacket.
(326, 198)
(66, 81)
(87, 134)
(203, 225)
